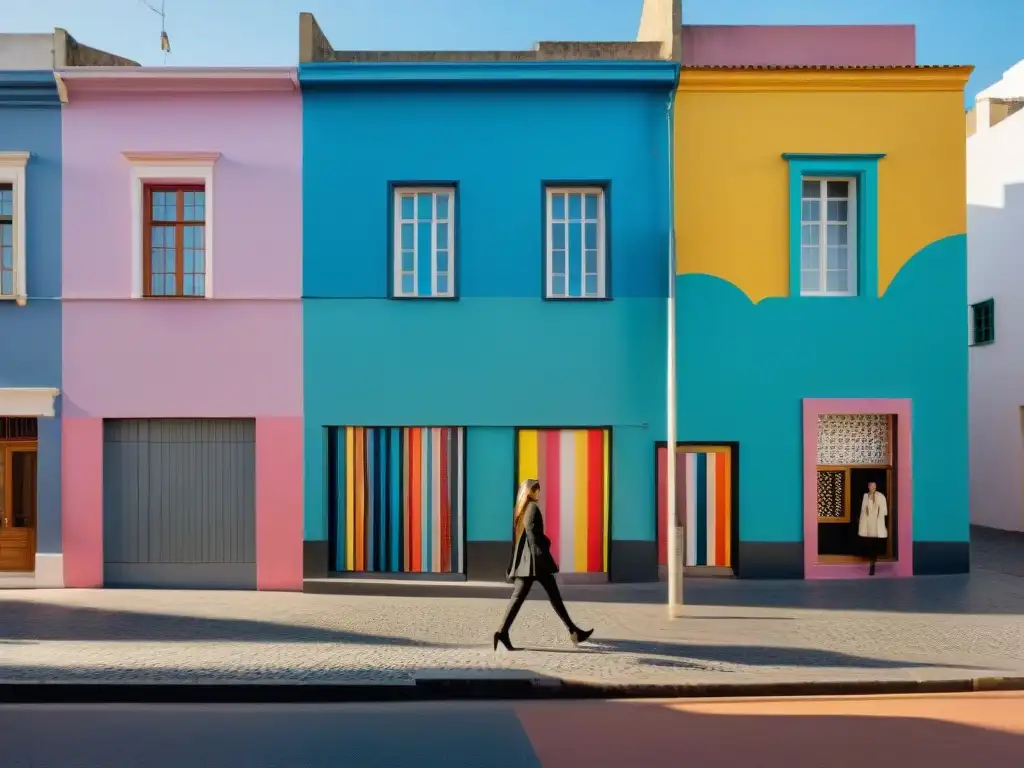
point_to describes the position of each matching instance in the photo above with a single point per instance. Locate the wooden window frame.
(179, 225)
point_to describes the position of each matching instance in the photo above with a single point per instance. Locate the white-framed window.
(172, 224)
(828, 237)
(13, 271)
(576, 258)
(424, 242)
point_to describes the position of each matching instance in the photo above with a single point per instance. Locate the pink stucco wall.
(237, 355)
(904, 507)
(733, 46)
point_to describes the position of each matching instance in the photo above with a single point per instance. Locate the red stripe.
(551, 470)
(446, 509)
(595, 501)
(662, 521)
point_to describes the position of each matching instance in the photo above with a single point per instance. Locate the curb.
(456, 689)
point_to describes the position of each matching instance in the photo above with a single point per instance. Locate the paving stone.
(924, 628)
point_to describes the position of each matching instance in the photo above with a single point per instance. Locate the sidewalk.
(940, 631)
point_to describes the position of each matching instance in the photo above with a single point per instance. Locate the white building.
(995, 290)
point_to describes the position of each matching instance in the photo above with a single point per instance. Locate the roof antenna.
(165, 41)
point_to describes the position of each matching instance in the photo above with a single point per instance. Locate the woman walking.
(532, 561)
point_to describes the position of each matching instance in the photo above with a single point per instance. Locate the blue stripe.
(396, 501)
(702, 509)
(380, 519)
(371, 497)
(338, 435)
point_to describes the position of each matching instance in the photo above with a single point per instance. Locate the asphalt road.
(932, 731)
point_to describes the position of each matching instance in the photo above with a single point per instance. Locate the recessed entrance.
(19, 462)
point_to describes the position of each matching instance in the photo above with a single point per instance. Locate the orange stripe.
(727, 538)
(720, 502)
(360, 458)
(406, 506)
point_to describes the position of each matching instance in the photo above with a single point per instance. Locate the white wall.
(995, 245)
(18, 51)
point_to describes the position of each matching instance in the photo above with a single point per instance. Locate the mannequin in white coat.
(871, 527)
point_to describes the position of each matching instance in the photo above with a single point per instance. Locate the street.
(882, 732)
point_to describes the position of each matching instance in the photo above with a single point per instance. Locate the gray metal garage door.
(179, 505)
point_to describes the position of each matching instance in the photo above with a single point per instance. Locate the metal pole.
(673, 528)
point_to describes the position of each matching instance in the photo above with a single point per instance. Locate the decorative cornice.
(170, 159)
(183, 81)
(622, 72)
(760, 80)
(833, 155)
(28, 401)
(29, 88)
(14, 159)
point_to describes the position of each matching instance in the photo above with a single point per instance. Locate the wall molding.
(28, 401)
(822, 79)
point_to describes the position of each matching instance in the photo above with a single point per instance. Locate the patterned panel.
(703, 501)
(850, 439)
(572, 467)
(831, 494)
(396, 499)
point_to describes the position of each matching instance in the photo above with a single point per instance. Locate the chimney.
(661, 21)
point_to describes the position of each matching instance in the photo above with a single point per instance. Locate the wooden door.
(19, 480)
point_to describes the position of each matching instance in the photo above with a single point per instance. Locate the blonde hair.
(522, 499)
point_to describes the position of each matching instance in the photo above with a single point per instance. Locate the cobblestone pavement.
(734, 631)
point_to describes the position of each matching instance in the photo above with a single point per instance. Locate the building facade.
(995, 204)
(30, 324)
(484, 301)
(182, 341)
(820, 315)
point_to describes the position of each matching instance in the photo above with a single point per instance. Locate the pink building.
(182, 328)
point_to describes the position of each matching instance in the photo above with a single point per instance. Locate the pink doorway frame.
(901, 409)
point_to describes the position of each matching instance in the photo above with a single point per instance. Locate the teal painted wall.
(491, 364)
(744, 370)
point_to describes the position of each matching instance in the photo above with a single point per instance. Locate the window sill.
(171, 298)
(21, 301)
(576, 298)
(423, 298)
(982, 343)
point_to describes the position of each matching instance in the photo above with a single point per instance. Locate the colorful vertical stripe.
(397, 505)
(572, 466)
(703, 503)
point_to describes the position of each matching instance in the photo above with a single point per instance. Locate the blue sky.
(984, 33)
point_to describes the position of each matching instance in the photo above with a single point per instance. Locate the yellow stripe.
(580, 528)
(607, 499)
(350, 497)
(528, 454)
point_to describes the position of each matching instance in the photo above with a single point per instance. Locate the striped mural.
(703, 500)
(572, 467)
(396, 499)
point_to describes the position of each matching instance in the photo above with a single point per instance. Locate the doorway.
(19, 479)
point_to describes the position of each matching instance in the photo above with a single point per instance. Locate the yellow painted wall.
(732, 211)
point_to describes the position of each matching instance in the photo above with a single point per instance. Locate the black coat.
(531, 555)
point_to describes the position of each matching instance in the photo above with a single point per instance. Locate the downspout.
(672, 529)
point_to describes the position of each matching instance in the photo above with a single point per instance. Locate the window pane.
(200, 257)
(169, 261)
(837, 281)
(6, 201)
(837, 210)
(442, 261)
(188, 285)
(6, 283)
(591, 285)
(812, 188)
(558, 236)
(590, 262)
(837, 258)
(442, 284)
(591, 206)
(423, 244)
(810, 234)
(575, 206)
(408, 207)
(574, 287)
(443, 200)
(590, 235)
(408, 260)
(425, 206)
(810, 210)
(838, 189)
(558, 262)
(7, 257)
(194, 206)
(837, 234)
(442, 235)
(810, 257)
(558, 206)
(407, 235)
(408, 285)
(200, 285)
(165, 206)
(810, 280)
(189, 256)
(557, 285)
